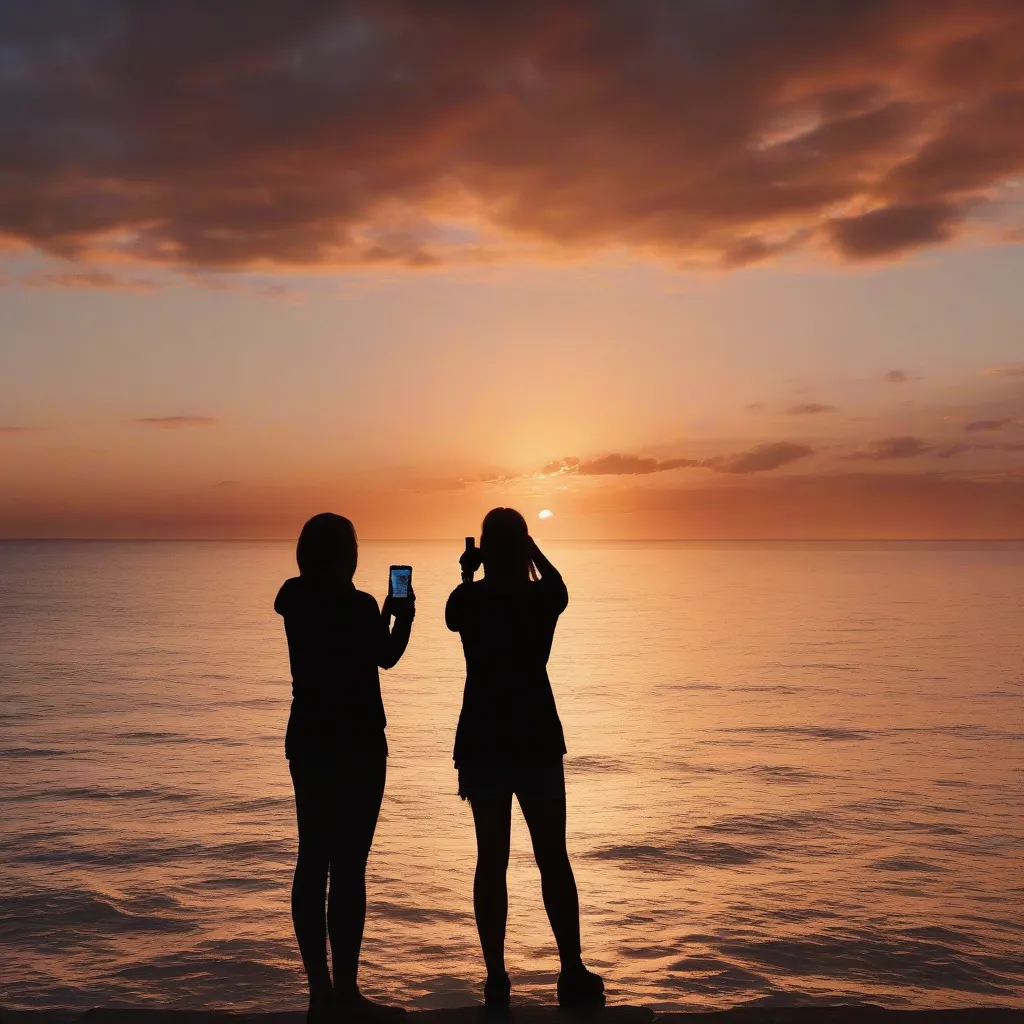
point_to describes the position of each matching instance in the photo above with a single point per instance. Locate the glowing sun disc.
(545, 513)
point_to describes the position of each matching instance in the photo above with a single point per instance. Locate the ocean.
(795, 775)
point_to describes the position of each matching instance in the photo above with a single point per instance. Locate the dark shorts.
(539, 777)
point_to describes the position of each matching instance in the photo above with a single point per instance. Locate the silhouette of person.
(337, 753)
(509, 741)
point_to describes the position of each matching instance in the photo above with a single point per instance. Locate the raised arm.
(393, 640)
(544, 567)
(469, 562)
(550, 577)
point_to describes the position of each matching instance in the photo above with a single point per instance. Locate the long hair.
(505, 544)
(328, 547)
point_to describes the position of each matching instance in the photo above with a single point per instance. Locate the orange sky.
(667, 270)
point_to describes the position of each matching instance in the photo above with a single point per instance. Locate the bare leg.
(545, 817)
(578, 988)
(493, 822)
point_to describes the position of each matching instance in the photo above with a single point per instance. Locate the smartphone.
(470, 543)
(400, 582)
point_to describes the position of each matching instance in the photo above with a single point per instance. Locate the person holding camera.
(509, 742)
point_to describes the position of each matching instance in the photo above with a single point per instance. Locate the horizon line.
(557, 540)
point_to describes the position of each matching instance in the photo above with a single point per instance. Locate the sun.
(545, 513)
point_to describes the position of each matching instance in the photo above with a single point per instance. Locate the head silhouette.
(505, 545)
(328, 547)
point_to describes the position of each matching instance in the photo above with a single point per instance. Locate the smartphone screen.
(401, 580)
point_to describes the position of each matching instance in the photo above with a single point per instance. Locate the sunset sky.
(692, 268)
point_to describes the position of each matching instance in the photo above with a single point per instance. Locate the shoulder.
(456, 604)
(290, 589)
(455, 609)
(365, 602)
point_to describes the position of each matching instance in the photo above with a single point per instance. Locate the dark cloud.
(89, 279)
(254, 132)
(892, 230)
(617, 464)
(809, 409)
(758, 459)
(16, 430)
(608, 465)
(176, 421)
(896, 377)
(754, 406)
(905, 447)
(761, 458)
(986, 426)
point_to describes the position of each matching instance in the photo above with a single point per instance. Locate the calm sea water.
(795, 774)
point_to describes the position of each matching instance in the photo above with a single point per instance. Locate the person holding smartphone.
(509, 742)
(337, 752)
